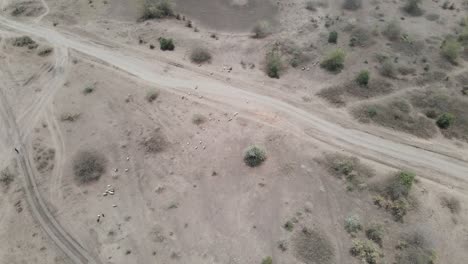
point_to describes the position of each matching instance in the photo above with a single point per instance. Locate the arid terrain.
(234, 131)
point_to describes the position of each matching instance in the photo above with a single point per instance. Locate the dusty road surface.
(225, 206)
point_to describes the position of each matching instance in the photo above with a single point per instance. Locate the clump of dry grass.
(416, 249)
(352, 4)
(155, 142)
(198, 119)
(261, 29)
(88, 166)
(6, 177)
(310, 246)
(396, 114)
(70, 117)
(152, 95)
(200, 55)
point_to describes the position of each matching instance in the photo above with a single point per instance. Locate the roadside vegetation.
(334, 60)
(348, 168)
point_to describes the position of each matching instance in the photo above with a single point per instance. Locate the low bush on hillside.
(152, 95)
(334, 60)
(261, 29)
(392, 30)
(352, 4)
(452, 203)
(166, 44)
(333, 37)
(352, 224)
(366, 251)
(412, 7)
(375, 233)
(451, 49)
(274, 64)
(363, 78)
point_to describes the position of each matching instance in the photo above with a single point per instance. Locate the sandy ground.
(196, 201)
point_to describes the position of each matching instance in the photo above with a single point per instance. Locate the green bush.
(400, 186)
(451, 49)
(157, 9)
(365, 251)
(334, 61)
(412, 7)
(200, 55)
(273, 64)
(333, 37)
(445, 120)
(363, 78)
(166, 44)
(289, 226)
(254, 156)
(352, 224)
(375, 233)
(267, 260)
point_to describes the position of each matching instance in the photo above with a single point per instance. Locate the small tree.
(334, 60)
(445, 120)
(451, 49)
(254, 156)
(273, 64)
(363, 78)
(333, 37)
(412, 7)
(166, 44)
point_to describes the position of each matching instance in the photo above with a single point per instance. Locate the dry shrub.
(152, 95)
(396, 114)
(452, 203)
(416, 249)
(254, 156)
(310, 246)
(24, 41)
(392, 30)
(46, 51)
(6, 177)
(88, 166)
(157, 9)
(375, 233)
(361, 37)
(261, 29)
(366, 251)
(155, 142)
(70, 117)
(337, 94)
(200, 55)
(412, 7)
(198, 119)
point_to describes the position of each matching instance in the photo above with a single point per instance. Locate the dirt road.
(363, 144)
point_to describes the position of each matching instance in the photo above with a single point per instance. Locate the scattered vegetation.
(200, 55)
(352, 224)
(155, 142)
(349, 168)
(360, 37)
(157, 9)
(88, 166)
(392, 30)
(310, 246)
(24, 41)
(254, 156)
(375, 233)
(198, 119)
(152, 95)
(334, 61)
(70, 117)
(416, 250)
(352, 4)
(396, 114)
(45, 51)
(261, 29)
(338, 95)
(452, 203)
(267, 260)
(166, 44)
(333, 37)
(412, 7)
(363, 78)
(6, 177)
(366, 251)
(440, 102)
(451, 49)
(273, 64)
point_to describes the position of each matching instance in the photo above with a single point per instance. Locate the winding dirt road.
(181, 80)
